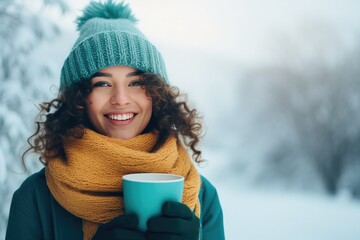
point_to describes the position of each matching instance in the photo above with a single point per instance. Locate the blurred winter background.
(278, 84)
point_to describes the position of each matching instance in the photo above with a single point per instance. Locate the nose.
(120, 96)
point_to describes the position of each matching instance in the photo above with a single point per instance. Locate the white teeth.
(121, 117)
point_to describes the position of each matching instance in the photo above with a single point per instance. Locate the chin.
(122, 136)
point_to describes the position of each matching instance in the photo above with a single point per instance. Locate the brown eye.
(137, 83)
(101, 84)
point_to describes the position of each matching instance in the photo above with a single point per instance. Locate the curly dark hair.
(65, 117)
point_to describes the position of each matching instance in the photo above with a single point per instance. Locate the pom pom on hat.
(108, 10)
(108, 37)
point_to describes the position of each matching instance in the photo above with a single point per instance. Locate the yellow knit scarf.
(89, 184)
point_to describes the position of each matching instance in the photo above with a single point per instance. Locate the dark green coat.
(35, 214)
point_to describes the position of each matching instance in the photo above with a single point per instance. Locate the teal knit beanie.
(108, 37)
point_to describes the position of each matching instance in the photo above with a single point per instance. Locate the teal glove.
(123, 227)
(177, 222)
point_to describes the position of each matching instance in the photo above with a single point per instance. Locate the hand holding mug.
(145, 194)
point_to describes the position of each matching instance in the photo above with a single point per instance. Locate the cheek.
(91, 108)
(149, 106)
(147, 109)
(95, 101)
(89, 104)
(90, 98)
(90, 111)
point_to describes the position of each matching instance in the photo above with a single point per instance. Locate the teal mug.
(145, 193)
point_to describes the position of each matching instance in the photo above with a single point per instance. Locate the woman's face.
(118, 106)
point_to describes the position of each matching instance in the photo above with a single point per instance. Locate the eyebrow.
(102, 74)
(136, 73)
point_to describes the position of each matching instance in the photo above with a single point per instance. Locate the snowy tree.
(310, 112)
(25, 27)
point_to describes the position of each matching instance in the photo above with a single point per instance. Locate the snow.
(253, 214)
(270, 213)
(3, 172)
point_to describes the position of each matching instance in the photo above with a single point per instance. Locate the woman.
(115, 114)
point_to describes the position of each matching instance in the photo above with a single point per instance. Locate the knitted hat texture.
(108, 37)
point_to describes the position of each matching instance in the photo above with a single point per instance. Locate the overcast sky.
(244, 30)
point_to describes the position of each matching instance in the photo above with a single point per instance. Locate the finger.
(176, 209)
(167, 225)
(162, 236)
(122, 234)
(127, 221)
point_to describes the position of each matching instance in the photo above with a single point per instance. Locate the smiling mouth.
(120, 117)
